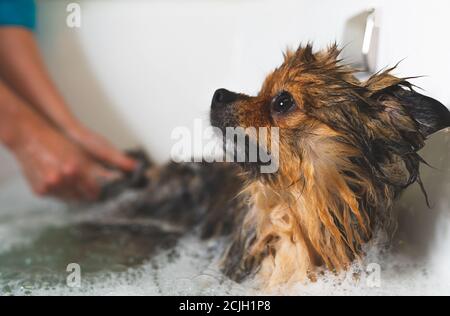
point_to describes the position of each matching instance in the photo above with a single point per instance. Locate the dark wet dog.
(347, 150)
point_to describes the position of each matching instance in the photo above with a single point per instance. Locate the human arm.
(53, 165)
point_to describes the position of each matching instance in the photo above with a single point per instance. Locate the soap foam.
(193, 269)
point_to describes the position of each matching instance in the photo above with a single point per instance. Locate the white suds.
(192, 268)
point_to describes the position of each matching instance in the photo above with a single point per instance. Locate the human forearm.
(53, 165)
(22, 67)
(15, 118)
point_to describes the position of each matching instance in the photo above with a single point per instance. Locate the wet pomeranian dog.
(347, 150)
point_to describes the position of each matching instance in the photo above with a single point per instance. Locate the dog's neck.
(312, 219)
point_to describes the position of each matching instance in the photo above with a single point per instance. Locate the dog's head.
(345, 148)
(326, 116)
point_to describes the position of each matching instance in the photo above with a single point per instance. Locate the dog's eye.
(283, 103)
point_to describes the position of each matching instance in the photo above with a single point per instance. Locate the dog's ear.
(430, 114)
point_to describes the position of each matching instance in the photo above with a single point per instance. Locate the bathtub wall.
(137, 69)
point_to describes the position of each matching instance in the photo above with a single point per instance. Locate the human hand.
(57, 167)
(99, 148)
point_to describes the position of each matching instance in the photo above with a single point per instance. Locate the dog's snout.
(223, 97)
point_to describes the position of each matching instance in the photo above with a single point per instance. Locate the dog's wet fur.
(348, 149)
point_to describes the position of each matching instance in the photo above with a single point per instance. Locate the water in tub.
(41, 238)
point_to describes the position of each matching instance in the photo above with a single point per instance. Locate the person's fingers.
(113, 157)
(102, 150)
(89, 187)
(94, 179)
(58, 184)
(68, 184)
(48, 183)
(89, 190)
(69, 190)
(80, 180)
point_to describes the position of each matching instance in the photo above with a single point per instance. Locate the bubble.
(192, 267)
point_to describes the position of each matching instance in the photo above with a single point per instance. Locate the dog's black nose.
(223, 97)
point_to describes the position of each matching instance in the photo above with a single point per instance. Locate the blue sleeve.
(18, 13)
